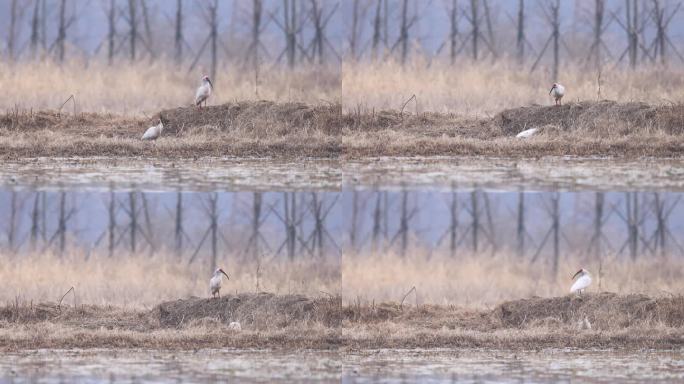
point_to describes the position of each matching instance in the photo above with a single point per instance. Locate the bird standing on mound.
(215, 282)
(557, 91)
(583, 281)
(153, 133)
(203, 92)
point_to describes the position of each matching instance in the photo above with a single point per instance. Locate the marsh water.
(313, 209)
(535, 208)
(386, 366)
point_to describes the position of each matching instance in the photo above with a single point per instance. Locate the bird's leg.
(219, 294)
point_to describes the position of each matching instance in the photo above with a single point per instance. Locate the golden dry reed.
(483, 281)
(143, 281)
(144, 88)
(484, 89)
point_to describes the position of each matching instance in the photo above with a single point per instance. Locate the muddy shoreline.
(605, 320)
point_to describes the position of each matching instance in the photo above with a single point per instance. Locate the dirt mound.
(605, 118)
(256, 311)
(603, 311)
(271, 117)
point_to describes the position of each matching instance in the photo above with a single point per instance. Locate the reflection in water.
(192, 225)
(297, 224)
(532, 225)
(388, 366)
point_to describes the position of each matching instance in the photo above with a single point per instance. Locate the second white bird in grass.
(527, 133)
(203, 92)
(583, 281)
(557, 91)
(215, 282)
(153, 133)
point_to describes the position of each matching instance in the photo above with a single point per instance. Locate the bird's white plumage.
(153, 133)
(527, 133)
(204, 91)
(215, 282)
(557, 91)
(582, 282)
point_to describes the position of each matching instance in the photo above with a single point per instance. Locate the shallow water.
(260, 174)
(389, 366)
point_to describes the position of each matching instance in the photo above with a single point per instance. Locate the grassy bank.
(603, 320)
(269, 129)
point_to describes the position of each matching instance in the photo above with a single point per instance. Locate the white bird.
(557, 91)
(153, 133)
(527, 133)
(203, 92)
(235, 326)
(215, 282)
(582, 282)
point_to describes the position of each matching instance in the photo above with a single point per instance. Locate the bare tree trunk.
(403, 32)
(453, 34)
(133, 24)
(475, 212)
(290, 16)
(377, 222)
(112, 221)
(11, 36)
(148, 31)
(256, 224)
(555, 9)
(35, 29)
(376, 30)
(61, 226)
(555, 215)
(318, 30)
(213, 216)
(354, 29)
(403, 223)
(354, 220)
(453, 228)
(133, 214)
(256, 30)
(111, 35)
(660, 31)
(598, 30)
(475, 22)
(35, 220)
(521, 224)
(43, 26)
(520, 38)
(178, 38)
(61, 31)
(213, 10)
(12, 230)
(490, 30)
(179, 224)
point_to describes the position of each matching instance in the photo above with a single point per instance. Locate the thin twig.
(413, 97)
(59, 306)
(73, 99)
(413, 289)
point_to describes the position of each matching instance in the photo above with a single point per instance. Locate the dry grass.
(263, 128)
(483, 281)
(142, 281)
(483, 90)
(616, 321)
(144, 88)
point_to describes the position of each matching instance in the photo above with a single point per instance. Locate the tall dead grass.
(483, 281)
(483, 89)
(143, 281)
(144, 88)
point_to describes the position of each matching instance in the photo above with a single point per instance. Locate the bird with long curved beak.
(203, 92)
(557, 91)
(215, 282)
(154, 132)
(582, 282)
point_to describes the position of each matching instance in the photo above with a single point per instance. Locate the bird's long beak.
(225, 274)
(210, 84)
(552, 88)
(575, 275)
